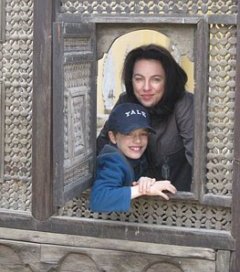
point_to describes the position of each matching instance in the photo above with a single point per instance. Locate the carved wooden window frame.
(201, 68)
(42, 170)
(198, 192)
(201, 64)
(200, 71)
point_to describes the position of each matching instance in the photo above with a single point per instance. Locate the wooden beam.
(65, 240)
(124, 231)
(42, 106)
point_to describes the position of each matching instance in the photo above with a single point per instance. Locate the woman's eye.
(138, 79)
(156, 79)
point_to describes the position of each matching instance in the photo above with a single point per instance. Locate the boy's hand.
(151, 187)
(159, 187)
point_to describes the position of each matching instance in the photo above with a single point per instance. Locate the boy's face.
(133, 144)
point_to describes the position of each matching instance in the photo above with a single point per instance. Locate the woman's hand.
(144, 184)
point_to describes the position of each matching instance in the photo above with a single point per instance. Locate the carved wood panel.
(73, 109)
(152, 7)
(28, 256)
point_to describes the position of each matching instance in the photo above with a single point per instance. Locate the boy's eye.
(141, 135)
(129, 134)
(144, 134)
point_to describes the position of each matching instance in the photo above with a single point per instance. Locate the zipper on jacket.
(165, 169)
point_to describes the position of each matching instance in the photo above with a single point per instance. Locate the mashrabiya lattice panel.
(15, 190)
(222, 72)
(155, 211)
(193, 7)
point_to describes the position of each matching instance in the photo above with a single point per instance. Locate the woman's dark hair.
(176, 78)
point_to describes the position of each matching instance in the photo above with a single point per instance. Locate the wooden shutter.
(74, 109)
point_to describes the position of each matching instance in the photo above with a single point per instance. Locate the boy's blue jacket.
(111, 190)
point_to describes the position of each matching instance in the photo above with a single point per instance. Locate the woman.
(155, 80)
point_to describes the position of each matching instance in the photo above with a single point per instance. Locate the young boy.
(121, 164)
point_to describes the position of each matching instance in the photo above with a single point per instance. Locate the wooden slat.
(58, 113)
(215, 200)
(214, 239)
(42, 105)
(2, 116)
(145, 233)
(45, 251)
(133, 19)
(222, 19)
(181, 19)
(236, 165)
(108, 244)
(223, 261)
(200, 108)
(2, 20)
(84, 259)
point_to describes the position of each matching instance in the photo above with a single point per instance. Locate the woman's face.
(148, 81)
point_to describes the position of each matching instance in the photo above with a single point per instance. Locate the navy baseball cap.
(127, 117)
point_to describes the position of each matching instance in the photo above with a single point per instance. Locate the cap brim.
(134, 127)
